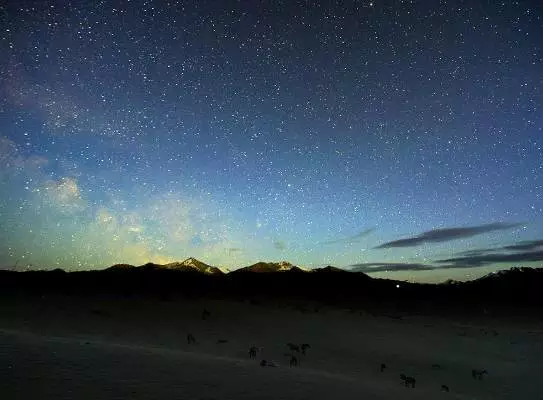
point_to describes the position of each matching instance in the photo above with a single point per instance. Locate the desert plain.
(107, 347)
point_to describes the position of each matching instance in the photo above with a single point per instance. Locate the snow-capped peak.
(191, 262)
(194, 264)
(284, 266)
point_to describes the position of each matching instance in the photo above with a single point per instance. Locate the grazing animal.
(383, 367)
(478, 373)
(304, 347)
(205, 314)
(293, 361)
(266, 363)
(436, 366)
(293, 347)
(191, 339)
(408, 381)
(444, 388)
(222, 341)
(252, 352)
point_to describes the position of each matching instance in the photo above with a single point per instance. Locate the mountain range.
(513, 291)
(192, 264)
(189, 265)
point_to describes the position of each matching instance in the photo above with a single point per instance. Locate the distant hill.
(520, 276)
(330, 269)
(189, 265)
(121, 267)
(267, 267)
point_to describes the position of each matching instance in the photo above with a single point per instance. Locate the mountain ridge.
(267, 267)
(190, 264)
(504, 291)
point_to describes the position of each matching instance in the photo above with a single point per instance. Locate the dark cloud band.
(447, 234)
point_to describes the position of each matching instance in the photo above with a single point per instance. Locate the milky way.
(238, 131)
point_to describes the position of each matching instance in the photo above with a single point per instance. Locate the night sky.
(400, 138)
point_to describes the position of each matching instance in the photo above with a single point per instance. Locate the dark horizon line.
(351, 271)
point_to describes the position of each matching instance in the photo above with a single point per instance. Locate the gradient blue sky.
(238, 131)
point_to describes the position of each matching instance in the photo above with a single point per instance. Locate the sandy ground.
(62, 348)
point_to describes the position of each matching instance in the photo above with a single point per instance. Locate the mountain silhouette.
(512, 291)
(121, 267)
(191, 264)
(282, 266)
(330, 269)
(194, 265)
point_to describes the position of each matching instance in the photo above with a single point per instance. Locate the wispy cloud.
(351, 239)
(64, 194)
(527, 251)
(12, 161)
(65, 110)
(527, 246)
(485, 259)
(447, 234)
(390, 267)
(369, 268)
(280, 245)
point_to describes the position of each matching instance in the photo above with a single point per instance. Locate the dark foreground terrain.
(123, 335)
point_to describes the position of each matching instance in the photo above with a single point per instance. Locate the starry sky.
(399, 138)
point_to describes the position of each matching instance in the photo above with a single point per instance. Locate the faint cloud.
(528, 246)
(63, 109)
(447, 234)
(8, 150)
(174, 216)
(64, 194)
(390, 267)
(117, 236)
(59, 110)
(369, 268)
(486, 259)
(105, 218)
(12, 161)
(351, 239)
(280, 245)
(526, 251)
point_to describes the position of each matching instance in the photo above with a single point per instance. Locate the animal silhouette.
(206, 314)
(252, 352)
(293, 347)
(266, 363)
(383, 367)
(293, 361)
(191, 339)
(222, 341)
(304, 347)
(444, 388)
(408, 381)
(478, 373)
